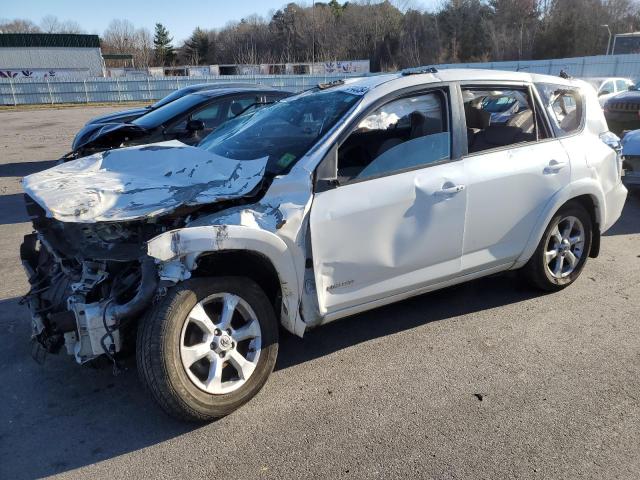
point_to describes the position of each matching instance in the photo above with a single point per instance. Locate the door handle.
(450, 189)
(554, 166)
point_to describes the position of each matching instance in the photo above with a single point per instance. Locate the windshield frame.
(325, 129)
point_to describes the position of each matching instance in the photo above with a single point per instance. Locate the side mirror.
(195, 125)
(603, 92)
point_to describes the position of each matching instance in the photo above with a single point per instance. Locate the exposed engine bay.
(90, 273)
(88, 282)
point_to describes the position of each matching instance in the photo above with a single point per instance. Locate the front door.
(395, 222)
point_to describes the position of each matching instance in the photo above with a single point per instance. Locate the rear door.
(513, 168)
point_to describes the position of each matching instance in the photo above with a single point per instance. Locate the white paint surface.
(140, 182)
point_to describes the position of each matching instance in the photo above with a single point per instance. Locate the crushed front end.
(89, 282)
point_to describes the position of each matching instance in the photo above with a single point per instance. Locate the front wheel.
(208, 347)
(562, 251)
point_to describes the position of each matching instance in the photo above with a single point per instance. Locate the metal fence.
(580, 67)
(28, 91)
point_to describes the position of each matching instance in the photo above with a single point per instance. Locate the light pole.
(313, 37)
(609, 41)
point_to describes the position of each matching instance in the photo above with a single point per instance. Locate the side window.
(565, 107)
(497, 117)
(402, 134)
(209, 115)
(621, 85)
(240, 105)
(606, 88)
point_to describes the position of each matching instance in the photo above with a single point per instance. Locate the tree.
(163, 49)
(197, 47)
(51, 24)
(120, 36)
(144, 53)
(18, 25)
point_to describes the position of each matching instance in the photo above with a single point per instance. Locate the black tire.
(158, 349)
(536, 271)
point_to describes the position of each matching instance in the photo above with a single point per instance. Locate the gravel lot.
(484, 380)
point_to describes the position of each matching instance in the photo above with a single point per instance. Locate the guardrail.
(29, 91)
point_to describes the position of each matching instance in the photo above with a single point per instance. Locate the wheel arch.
(230, 249)
(244, 263)
(589, 203)
(588, 194)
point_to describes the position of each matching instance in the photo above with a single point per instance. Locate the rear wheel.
(562, 251)
(208, 347)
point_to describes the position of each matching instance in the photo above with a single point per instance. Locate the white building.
(42, 55)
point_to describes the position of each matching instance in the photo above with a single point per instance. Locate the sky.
(180, 17)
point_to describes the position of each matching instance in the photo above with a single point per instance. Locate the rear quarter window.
(564, 106)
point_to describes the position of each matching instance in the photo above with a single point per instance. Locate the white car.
(607, 87)
(353, 195)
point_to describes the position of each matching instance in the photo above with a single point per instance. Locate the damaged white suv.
(332, 202)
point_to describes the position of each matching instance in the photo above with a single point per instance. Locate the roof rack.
(418, 70)
(335, 83)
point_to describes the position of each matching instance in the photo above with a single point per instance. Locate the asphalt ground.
(484, 380)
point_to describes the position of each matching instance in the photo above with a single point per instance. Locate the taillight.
(613, 141)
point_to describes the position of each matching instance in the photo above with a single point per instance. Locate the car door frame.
(225, 100)
(187, 115)
(325, 176)
(326, 171)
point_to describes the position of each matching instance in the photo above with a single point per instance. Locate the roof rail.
(418, 70)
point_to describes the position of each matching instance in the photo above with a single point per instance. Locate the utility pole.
(609, 41)
(313, 37)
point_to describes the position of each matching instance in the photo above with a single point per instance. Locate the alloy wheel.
(220, 343)
(564, 247)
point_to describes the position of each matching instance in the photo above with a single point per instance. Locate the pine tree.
(197, 47)
(162, 45)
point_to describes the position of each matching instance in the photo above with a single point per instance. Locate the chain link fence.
(54, 91)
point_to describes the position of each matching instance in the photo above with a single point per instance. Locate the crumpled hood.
(138, 182)
(92, 131)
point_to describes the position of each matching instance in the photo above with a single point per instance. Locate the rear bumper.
(631, 167)
(614, 199)
(631, 179)
(618, 122)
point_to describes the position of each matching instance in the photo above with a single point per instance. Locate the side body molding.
(188, 244)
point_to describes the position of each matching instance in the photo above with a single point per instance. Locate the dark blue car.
(188, 118)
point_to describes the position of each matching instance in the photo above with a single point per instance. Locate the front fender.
(585, 186)
(191, 242)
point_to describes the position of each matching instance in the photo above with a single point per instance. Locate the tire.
(162, 343)
(538, 272)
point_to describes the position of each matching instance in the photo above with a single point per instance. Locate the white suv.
(335, 201)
